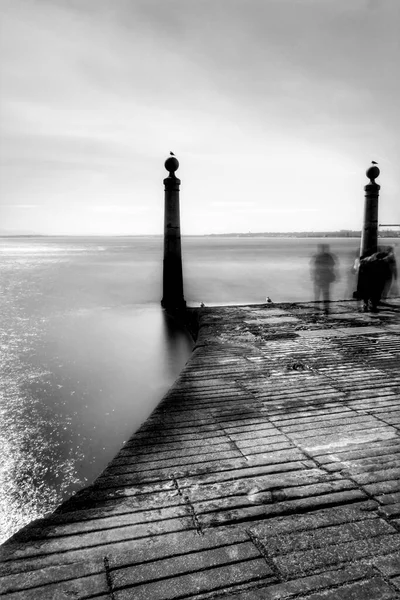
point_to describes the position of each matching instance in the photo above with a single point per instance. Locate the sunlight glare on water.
(83, 360)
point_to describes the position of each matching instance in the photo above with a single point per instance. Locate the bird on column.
(373, 162)
(172, 154)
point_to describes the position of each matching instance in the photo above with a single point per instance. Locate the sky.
(274, 108)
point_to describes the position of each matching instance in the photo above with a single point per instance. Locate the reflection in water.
(177, 343)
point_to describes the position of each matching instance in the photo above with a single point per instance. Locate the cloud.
(250, 210)
(19, 206)
(116, 209)
(232, 204)
(286, 100)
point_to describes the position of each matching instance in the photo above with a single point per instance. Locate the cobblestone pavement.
(269, 471)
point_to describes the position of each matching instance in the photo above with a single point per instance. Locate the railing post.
(173, 298)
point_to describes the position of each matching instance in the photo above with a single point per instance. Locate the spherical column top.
(172, 165)
(372, 173)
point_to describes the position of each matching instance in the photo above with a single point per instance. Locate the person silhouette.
(323, 274)
(376, 273)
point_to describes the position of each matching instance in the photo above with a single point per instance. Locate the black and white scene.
(199, 299)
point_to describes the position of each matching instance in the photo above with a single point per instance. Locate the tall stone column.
(369, 234)
(172, 299)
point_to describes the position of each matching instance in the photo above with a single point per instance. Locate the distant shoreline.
(286, 234)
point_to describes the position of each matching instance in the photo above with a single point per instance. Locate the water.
(86, 353)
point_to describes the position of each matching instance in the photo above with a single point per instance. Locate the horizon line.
(315, 232)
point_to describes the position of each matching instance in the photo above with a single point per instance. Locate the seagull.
(373, 162)
(172, 154)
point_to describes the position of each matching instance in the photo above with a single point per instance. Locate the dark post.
(172, 299)
(369, 234)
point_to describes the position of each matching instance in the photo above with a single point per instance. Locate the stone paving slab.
(270, 470)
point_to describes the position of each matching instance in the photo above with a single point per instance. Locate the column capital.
(372, 189)
(172, 183)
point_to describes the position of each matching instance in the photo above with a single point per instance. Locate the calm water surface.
(86, 353)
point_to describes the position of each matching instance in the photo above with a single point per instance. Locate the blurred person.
(391, 282)
(351, 272)
(375, 271)
(323, 274)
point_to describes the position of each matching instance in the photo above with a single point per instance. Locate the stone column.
(369, 234)
(172, 299)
